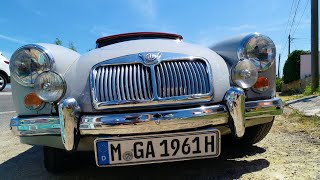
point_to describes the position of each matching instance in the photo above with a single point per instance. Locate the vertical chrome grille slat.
(101, 84)
(159, 81)
(179, 79)
(183, 78)
(200, 76)
(205, 75)
(118, 83)
(135, 85)
(98, 84)
(148, 82)
(127, 82)
(105, 85)
(165, 81)
(132, 82)
(188, 76)
(144, 87)
(114, 86)
(139, 82)
(171, 87)
(123, 95)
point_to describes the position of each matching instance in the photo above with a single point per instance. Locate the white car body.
(190, 93)
(4, 69)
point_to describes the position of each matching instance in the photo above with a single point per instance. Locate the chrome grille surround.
(174, 79)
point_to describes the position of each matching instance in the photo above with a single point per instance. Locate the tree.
(72, 47)
(58, 42)
(291, 69)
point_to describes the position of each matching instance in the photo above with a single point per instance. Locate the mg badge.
(150, 58)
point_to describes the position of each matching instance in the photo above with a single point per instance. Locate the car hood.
(77, 76)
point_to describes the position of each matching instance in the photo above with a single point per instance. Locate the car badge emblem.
(150, 58)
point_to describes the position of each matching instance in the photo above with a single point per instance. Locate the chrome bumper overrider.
(70, 125)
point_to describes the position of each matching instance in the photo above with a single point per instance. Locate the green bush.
(291, 69)
(307, 90)
(278, 84)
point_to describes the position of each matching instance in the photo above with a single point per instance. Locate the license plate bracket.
(144, 149)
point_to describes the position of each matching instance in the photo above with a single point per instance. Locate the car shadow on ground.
(82, 166)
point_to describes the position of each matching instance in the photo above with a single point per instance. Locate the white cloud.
(146, 8)
(12, 39)
(102, 30)
(243, 27)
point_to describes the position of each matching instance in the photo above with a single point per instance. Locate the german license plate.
(157, 148)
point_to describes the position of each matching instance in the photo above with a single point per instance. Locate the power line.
(305, 7)
(294, 17)
(285, 31)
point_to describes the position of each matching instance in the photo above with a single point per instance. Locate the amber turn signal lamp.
(261, 84)
(32, 101)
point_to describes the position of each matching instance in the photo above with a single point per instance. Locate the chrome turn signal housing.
(50, 86)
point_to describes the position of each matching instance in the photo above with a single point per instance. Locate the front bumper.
(234, 112)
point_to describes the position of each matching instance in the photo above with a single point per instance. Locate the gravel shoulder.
(283, 154)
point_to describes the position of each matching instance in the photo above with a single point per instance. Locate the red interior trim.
(140, 34)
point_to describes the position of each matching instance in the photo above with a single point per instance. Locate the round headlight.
(259, 49)
(244, 74)
(29, 61)
(50, 86)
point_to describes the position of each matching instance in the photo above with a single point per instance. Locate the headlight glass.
(244, 74)
(28, 62)
(260, 50)
(50, 86)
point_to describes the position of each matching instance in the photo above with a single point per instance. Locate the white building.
(305, 66)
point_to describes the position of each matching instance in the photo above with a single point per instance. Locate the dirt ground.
(290, 151)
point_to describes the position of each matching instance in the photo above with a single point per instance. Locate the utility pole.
(289, 43)
(314, 45)
(279, 66)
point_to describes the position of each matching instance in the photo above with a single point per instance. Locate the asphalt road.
(279, 156)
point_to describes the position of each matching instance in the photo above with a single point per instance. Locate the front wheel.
(255, 133)
(3, 81)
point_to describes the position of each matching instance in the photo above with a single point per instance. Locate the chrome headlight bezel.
(244, 74)
(262, 55)
(18, 57)
(48, 96)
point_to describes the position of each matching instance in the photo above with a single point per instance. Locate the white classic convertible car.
(143, 97)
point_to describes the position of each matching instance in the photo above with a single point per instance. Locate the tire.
(255, 133)
(3, 81)
(54, 159)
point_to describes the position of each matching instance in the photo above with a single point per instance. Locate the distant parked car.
(4, 72)
(143, 97)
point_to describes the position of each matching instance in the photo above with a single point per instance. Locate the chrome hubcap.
(1, 82)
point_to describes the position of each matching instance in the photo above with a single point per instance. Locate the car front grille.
(178, 78)
(167, 82)
(123, 83)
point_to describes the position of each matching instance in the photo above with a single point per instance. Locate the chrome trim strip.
(146, 122)
(153, 121)
(40, 125)
(138, 101)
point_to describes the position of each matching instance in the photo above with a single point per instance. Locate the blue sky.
(202, 22)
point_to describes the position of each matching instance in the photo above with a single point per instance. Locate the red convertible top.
(104, 41)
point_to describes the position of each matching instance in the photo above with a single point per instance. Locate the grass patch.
(286, 98)
(293, 121)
